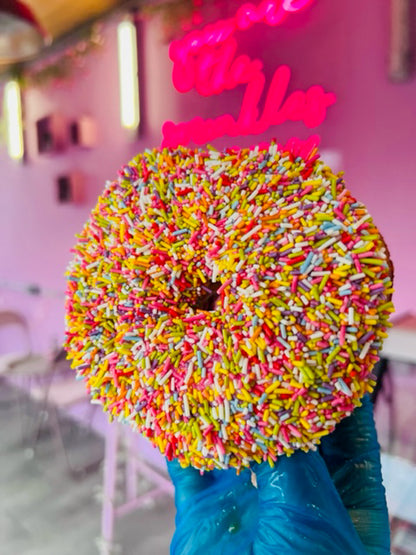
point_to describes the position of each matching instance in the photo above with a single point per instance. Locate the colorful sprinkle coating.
(299, 281)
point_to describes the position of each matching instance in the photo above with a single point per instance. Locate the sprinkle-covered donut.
(228, 305)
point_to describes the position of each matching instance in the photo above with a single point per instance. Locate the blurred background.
(84, 87)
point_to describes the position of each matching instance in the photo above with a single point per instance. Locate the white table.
(400, 345)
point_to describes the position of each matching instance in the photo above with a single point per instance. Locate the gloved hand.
(316, 503)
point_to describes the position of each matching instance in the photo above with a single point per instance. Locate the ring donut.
(228, 305)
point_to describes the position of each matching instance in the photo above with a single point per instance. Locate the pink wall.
(339, 45)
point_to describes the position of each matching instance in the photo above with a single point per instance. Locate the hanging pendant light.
(21, 36)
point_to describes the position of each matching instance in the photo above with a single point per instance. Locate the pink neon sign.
(205, 60)
(271, 12)
(308, 107)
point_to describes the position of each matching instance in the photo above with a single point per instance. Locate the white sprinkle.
(344, 287)
(257, 211)
(327, 243)
(363, 219)
(227, 410)
(365, 349)
(239, 265)
(357, 276)
(250, 233)
(162, 380)
(254, 193)
(256, 369)
(189, 372)
(212, 226)
(186, 406)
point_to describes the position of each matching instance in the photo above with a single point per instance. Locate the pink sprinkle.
(294, 284)
(223, 286)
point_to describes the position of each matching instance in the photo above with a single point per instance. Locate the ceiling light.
(21, 36)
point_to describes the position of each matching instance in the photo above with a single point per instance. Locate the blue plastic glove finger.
(300, 510)
(352, 455)
(216, 511)
(188, 482)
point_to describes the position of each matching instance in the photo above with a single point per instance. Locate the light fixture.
(21, 36)
(401, 63)
(14, 121)
(128, 74)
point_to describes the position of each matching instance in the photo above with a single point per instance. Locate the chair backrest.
(10, 321)
(8, 317)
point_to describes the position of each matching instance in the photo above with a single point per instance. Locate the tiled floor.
(43, 511)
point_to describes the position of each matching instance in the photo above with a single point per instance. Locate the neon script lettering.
(309, 107)
(213, 69)
(206, 60)
(271, 12)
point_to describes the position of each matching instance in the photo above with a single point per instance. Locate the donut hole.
(207, 296)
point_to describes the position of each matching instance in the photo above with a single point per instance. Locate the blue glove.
(316, 503)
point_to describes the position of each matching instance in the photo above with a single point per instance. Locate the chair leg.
(53, 412)
(389, 397)
(131, 468)
(43, 415)
(109, 488)
(23, 402)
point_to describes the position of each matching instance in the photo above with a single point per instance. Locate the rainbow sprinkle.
(228, 305)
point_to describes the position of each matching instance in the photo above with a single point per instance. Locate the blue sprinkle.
(324, 390)
(132, 338)
(305, 265)
(283, 342)
(344, 387)
(262, 399)
(180, 231)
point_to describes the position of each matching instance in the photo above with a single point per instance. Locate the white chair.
(17, 323)
(57, 398)
(22, 367)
